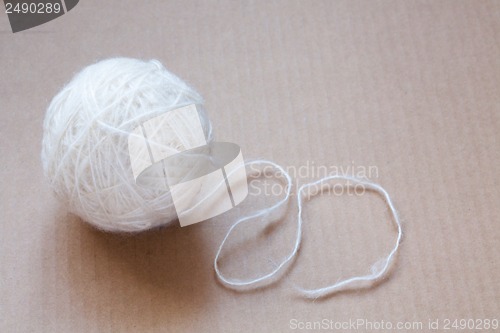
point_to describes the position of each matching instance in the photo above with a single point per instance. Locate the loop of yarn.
(269, 277)
(378, 270)
(381, 267)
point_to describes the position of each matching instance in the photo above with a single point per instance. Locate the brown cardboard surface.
(410, 87)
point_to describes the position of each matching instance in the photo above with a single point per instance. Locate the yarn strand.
(236, 284)
(378, 270)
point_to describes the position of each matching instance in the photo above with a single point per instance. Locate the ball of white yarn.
(85, 142)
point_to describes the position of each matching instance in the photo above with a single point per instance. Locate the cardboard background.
(411, 87)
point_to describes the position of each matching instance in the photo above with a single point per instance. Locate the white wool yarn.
(86, 158)
(85, 142)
